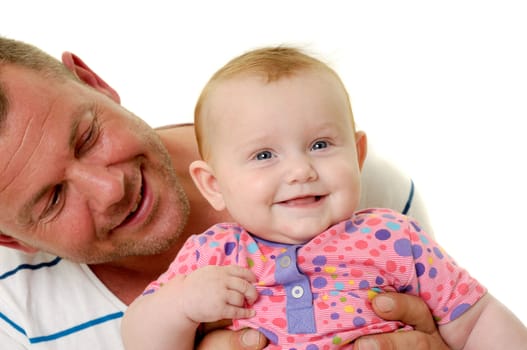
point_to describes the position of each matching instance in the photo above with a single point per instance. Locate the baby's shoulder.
(220, 232)
(380, 222)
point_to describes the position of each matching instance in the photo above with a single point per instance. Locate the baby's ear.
(206, 182)
(361, 145)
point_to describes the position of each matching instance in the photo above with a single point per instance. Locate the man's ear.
(361, 144)
(10, 242)
(87, 75)
(207, 184)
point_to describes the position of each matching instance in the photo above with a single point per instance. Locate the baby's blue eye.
(264, 155)
(319, 145)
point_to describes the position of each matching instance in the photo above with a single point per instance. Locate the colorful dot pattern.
(376, 250)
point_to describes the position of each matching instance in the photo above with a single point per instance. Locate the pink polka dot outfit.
(317, 295)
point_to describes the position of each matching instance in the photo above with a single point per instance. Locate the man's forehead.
(28, 103)
(24, 88)
(37, 119)
(32, 95)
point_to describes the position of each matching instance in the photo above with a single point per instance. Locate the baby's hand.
(213, 293)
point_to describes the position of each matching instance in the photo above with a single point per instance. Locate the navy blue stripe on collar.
(410, 199)
(50, 263)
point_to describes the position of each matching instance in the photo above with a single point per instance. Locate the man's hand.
(391, 306)
(410, 310)
(223, 339)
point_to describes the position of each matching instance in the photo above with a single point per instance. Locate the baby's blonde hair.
(270, 63)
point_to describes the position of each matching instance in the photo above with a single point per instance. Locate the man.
(94, 204)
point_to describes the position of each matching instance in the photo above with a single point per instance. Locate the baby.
(280, 152)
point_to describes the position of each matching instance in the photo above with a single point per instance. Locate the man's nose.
(300, 170)
(102, 186)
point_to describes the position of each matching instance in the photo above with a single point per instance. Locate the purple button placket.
(299, 307)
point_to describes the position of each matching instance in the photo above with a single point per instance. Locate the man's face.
(80, 176)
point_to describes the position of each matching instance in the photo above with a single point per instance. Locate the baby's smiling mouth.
(301, 201)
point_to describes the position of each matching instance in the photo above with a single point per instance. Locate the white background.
(440, 87)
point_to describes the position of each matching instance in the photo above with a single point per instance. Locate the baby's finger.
(242, 272)
(243, 287)
(234, 312)
(234, 298)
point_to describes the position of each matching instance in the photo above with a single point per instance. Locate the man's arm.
(385, 185)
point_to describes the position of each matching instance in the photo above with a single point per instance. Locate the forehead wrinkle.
(14, 155)
(24, 215)
(47, 113)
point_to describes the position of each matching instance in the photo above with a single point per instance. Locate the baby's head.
(279, 147)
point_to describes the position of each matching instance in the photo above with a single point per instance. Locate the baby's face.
(285, 154)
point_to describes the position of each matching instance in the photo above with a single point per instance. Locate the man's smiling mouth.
(136, 208)
(137, 204)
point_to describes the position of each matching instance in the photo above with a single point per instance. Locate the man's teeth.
(137, 204)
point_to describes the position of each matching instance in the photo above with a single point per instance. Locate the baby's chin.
(295, 235)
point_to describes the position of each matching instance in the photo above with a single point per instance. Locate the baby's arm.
(169, 317)
(488, 324)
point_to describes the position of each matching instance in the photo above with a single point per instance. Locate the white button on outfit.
(297, 292)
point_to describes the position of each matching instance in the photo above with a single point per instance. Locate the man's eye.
(264, 155)
(55, 201)
(319, 145)
(87, 139)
